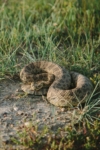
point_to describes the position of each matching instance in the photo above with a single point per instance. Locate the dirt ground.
(18, 109)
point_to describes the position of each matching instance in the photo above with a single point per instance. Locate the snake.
(62, 87)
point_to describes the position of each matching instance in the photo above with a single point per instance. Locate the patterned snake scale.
(63, 87)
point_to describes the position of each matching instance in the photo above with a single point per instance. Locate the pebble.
(28, 124)
(15, 108)
(20, 112)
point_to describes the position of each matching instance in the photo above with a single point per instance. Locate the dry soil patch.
(17, 108)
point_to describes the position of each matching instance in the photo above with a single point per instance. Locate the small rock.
(11, 125)
(38, 120)
(20, 112)
(63, 109)
(15, 108)
(28, 124)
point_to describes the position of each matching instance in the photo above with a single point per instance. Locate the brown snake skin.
(63, 87)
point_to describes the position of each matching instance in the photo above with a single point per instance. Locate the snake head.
(36, 86)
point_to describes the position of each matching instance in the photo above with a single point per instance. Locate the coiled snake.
(63, 87)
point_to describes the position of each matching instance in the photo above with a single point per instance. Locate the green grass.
(86, 138)
(66, 32)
